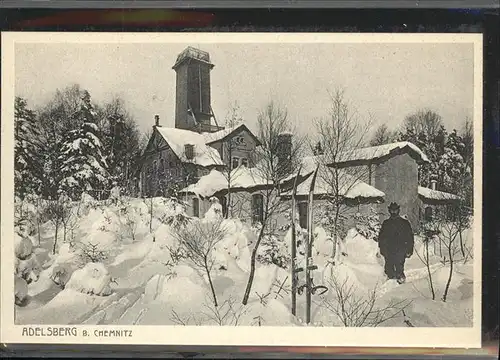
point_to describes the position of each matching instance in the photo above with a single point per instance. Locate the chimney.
(284, 154)
(433, 180)
(157, 120)
(189, 151)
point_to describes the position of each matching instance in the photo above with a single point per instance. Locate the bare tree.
(356, 310)
(424, 121)
(272, 168)
(342, 133)
(127, 219)
(198, 240)
(429, 234)
(449, 230)
(68, 218)
(39, 216)
(56, 211)
(233, 119)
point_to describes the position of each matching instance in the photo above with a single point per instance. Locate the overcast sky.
(387, 80)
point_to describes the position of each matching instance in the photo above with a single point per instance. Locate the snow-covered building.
(183, 154)
(393, 169)
(431, 199)
(197, 155)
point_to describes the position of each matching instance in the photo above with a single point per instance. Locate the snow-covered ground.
(119, 266)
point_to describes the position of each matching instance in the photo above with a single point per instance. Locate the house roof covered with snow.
(350, 187)
(242, 178)
(207, 185)
(177, 139)
(372, 153)
(222, 134)
(431, 195)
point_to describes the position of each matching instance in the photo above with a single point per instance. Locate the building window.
(240, 140)
(244, 162)
(257, 208)
(235, 162)
(428, 213)
(303, 214)
(196, 207)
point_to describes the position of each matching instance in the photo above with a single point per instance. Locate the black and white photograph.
(206, 181)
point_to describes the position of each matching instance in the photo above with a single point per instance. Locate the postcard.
(248, 189)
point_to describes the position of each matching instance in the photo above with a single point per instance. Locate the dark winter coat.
(396, 237)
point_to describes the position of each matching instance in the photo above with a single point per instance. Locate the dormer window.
(244, 162)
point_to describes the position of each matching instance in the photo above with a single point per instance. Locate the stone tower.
(192, 106)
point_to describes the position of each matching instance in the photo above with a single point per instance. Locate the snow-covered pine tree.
(84, 165)
(452, 165)
(425, 130)
(27, 166)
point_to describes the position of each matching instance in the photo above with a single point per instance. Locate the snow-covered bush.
(114, 193)
(23, 247)
(87, 203)
(61, 274)
(331, 221)
(127, 219)
(274, 251)
(23, 216)
(176, 221)
(93, 279)
(29, 269)
(20, 290)
(26, 263)
(215, 211)
(368, 225)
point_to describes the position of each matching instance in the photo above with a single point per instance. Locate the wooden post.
(309, 243)
(294, 245)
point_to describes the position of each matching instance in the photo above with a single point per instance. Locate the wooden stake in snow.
(309, 265)
(294, 245)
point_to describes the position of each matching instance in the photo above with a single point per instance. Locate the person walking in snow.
(396, 243)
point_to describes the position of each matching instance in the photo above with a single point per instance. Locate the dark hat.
(393, 206)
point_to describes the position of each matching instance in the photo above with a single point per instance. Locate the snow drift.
(93, 279)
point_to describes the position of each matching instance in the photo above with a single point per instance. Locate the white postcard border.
(230, 336)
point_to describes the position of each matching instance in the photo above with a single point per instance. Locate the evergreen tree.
(57, 118)
(84, 166)
(425, 130)
(455, 172)
(26, 162)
